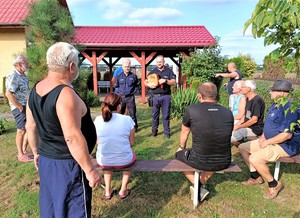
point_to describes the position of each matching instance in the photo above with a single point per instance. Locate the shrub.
(245, 64)
(92, 100)
(2, 125)
(80, 84)
(274, 70)
(181, 100)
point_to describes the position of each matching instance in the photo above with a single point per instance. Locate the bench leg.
(276, 171)
(196, 188)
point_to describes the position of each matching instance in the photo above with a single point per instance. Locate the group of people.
(62, 134)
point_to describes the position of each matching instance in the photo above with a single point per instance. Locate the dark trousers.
(163, 102)
(129, 102)
(64, 189)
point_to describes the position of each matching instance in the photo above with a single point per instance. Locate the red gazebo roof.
(13, 12)
(143, 36)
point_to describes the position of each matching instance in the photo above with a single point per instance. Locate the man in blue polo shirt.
(278, 140)
(126, 83)
(161, 95)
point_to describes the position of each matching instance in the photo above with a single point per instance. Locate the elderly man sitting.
(278, 140)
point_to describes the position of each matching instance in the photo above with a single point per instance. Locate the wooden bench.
(170, 166)
(294, 159)
(103, 84)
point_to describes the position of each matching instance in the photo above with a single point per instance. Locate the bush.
(92, 100)
(245, 64)
(274, 70)
(80, 84)
(2, 125)
(181, 100)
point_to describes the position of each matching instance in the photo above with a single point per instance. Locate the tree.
(204, 64)
(245, 64)
(278, 21)
(47, 22)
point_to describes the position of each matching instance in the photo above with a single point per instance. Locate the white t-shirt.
(113, 140)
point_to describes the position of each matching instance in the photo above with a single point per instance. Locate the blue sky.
(223, 18)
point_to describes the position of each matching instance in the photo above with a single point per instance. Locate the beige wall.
(12, 41)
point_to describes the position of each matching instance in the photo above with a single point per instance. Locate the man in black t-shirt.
(211, 125)
(251, 125)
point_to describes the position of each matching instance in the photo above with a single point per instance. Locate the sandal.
(127, 193)
(25, 158)
(108, 197)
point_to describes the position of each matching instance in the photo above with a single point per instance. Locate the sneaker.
(203, 193)
(274, 191)
(252, 181)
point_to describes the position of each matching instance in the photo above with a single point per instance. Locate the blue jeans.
(163, 102)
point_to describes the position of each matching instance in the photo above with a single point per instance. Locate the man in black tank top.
(61, 134)
(211, 125)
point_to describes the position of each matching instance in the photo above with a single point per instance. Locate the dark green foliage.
(181, 99)
(47, 22)
(245, 64)
(92, 100)
(204, 64)
(2, 125)
(80, 84)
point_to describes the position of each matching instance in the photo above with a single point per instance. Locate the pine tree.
(47, 22)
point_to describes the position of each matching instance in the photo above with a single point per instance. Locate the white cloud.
(114, 9)
(235, 43)
(155, 13)
(74, 2)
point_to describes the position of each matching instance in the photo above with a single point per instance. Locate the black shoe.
(167, 136)
(154, 134)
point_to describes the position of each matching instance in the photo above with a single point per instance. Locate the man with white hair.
(17, 92)
(251, 125)
(62, 134)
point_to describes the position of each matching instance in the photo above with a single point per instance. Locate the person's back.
(211, 127)
(114, 147)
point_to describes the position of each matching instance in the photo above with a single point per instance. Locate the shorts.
(239, 134)
(64, 189)
(270, 153)
(204, 165)
(20, 117)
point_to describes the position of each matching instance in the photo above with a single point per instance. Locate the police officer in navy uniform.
(161, 95)
(126, 83)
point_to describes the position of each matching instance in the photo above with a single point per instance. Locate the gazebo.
(143, 43)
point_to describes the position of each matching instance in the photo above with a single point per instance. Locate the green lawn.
(153, 194)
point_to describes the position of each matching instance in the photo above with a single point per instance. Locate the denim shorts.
(20, 117)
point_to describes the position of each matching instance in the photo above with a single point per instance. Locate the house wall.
(12, 42)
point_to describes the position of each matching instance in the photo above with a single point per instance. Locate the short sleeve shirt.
(126, 84)
(277, 122)
(18, 84)
(255, 107)
(211, 126)
(164, 88)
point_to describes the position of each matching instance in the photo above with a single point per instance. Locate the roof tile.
(13, 11)
(111, 36)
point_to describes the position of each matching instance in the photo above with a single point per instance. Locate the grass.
(154, 194)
